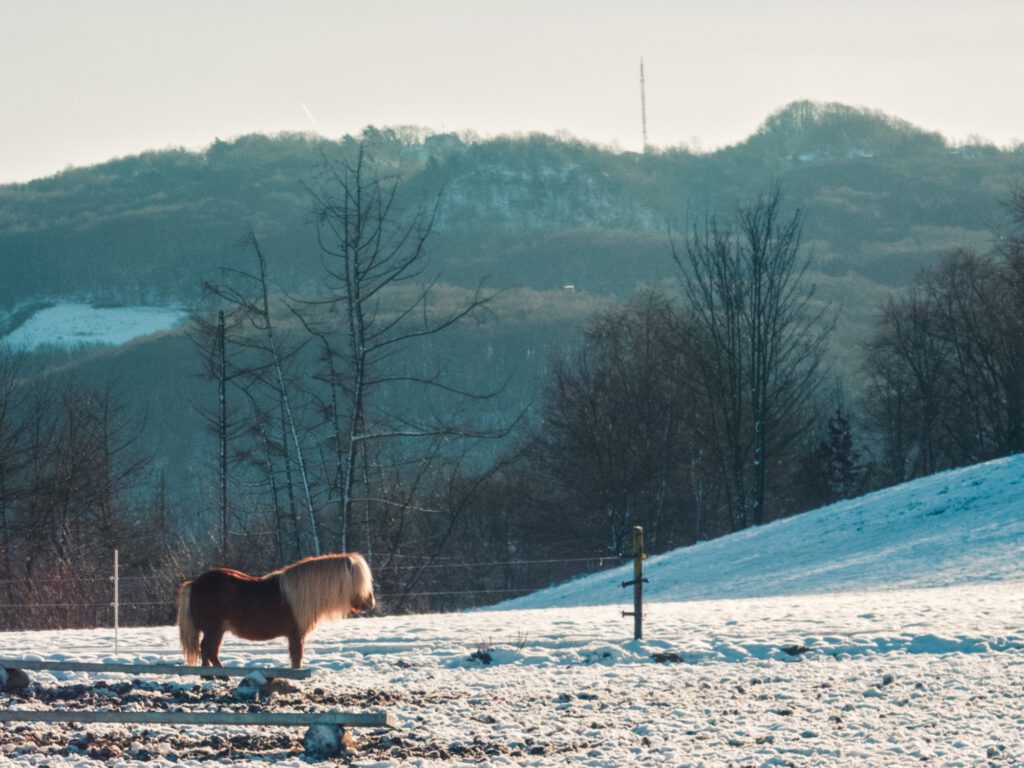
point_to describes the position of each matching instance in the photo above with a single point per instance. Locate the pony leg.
(295, 642)
(209, 648)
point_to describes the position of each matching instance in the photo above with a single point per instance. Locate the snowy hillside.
(957, 527)
(911, 654)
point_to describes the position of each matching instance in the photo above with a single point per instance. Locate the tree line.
(74, 486)
(945, 365)
(694, 411)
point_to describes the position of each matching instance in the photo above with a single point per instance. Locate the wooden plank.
(375, 719)
(154, 669)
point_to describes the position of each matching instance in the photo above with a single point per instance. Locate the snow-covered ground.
(68, 326)
(781, 646)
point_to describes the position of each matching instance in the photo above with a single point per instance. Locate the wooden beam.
(375, 719)
(154, 669)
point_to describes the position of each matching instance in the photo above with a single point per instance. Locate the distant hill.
(964, 526)
(881, 197)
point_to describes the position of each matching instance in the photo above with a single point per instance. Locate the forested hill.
(881, 199)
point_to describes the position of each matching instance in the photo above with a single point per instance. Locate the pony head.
(363, 599)
(327, 585)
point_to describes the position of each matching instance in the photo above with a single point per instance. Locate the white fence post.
(117, 599)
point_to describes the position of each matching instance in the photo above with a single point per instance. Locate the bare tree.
(226, 362)
(946, 367)
(248, 294)
(616, 436)
(378, 317)
(76, 490)
(13, 433)
(80, 461)
(906, 392)
(762, 337)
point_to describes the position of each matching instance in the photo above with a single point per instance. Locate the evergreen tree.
(839, 460)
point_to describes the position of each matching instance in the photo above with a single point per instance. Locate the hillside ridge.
(963, 526)
(881, 199)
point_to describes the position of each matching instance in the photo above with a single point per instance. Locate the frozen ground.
(68, 326)
(820, 663)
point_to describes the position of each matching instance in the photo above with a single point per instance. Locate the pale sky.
(82, 81)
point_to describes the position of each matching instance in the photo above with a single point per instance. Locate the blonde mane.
(325, 586)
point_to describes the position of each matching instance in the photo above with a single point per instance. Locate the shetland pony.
(285, 603)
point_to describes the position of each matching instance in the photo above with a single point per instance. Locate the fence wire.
(135, 609)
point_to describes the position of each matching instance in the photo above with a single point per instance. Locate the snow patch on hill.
(69, 326)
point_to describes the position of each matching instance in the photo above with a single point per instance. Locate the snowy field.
(781, 646)
(68, 326)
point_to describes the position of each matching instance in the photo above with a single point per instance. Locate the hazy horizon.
(85, 83)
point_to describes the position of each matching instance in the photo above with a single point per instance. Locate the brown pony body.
(285, 603)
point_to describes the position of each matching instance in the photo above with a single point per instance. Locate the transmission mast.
(643, 103)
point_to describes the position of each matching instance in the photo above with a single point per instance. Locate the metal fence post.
(637, 583)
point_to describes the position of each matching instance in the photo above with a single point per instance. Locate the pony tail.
(186, 627)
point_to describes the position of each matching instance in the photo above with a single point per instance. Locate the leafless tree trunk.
(286, 406)
(13, 433)
(222, 429)
(213, 341)
(257, 311)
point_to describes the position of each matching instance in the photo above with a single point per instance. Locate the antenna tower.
(643, 103)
